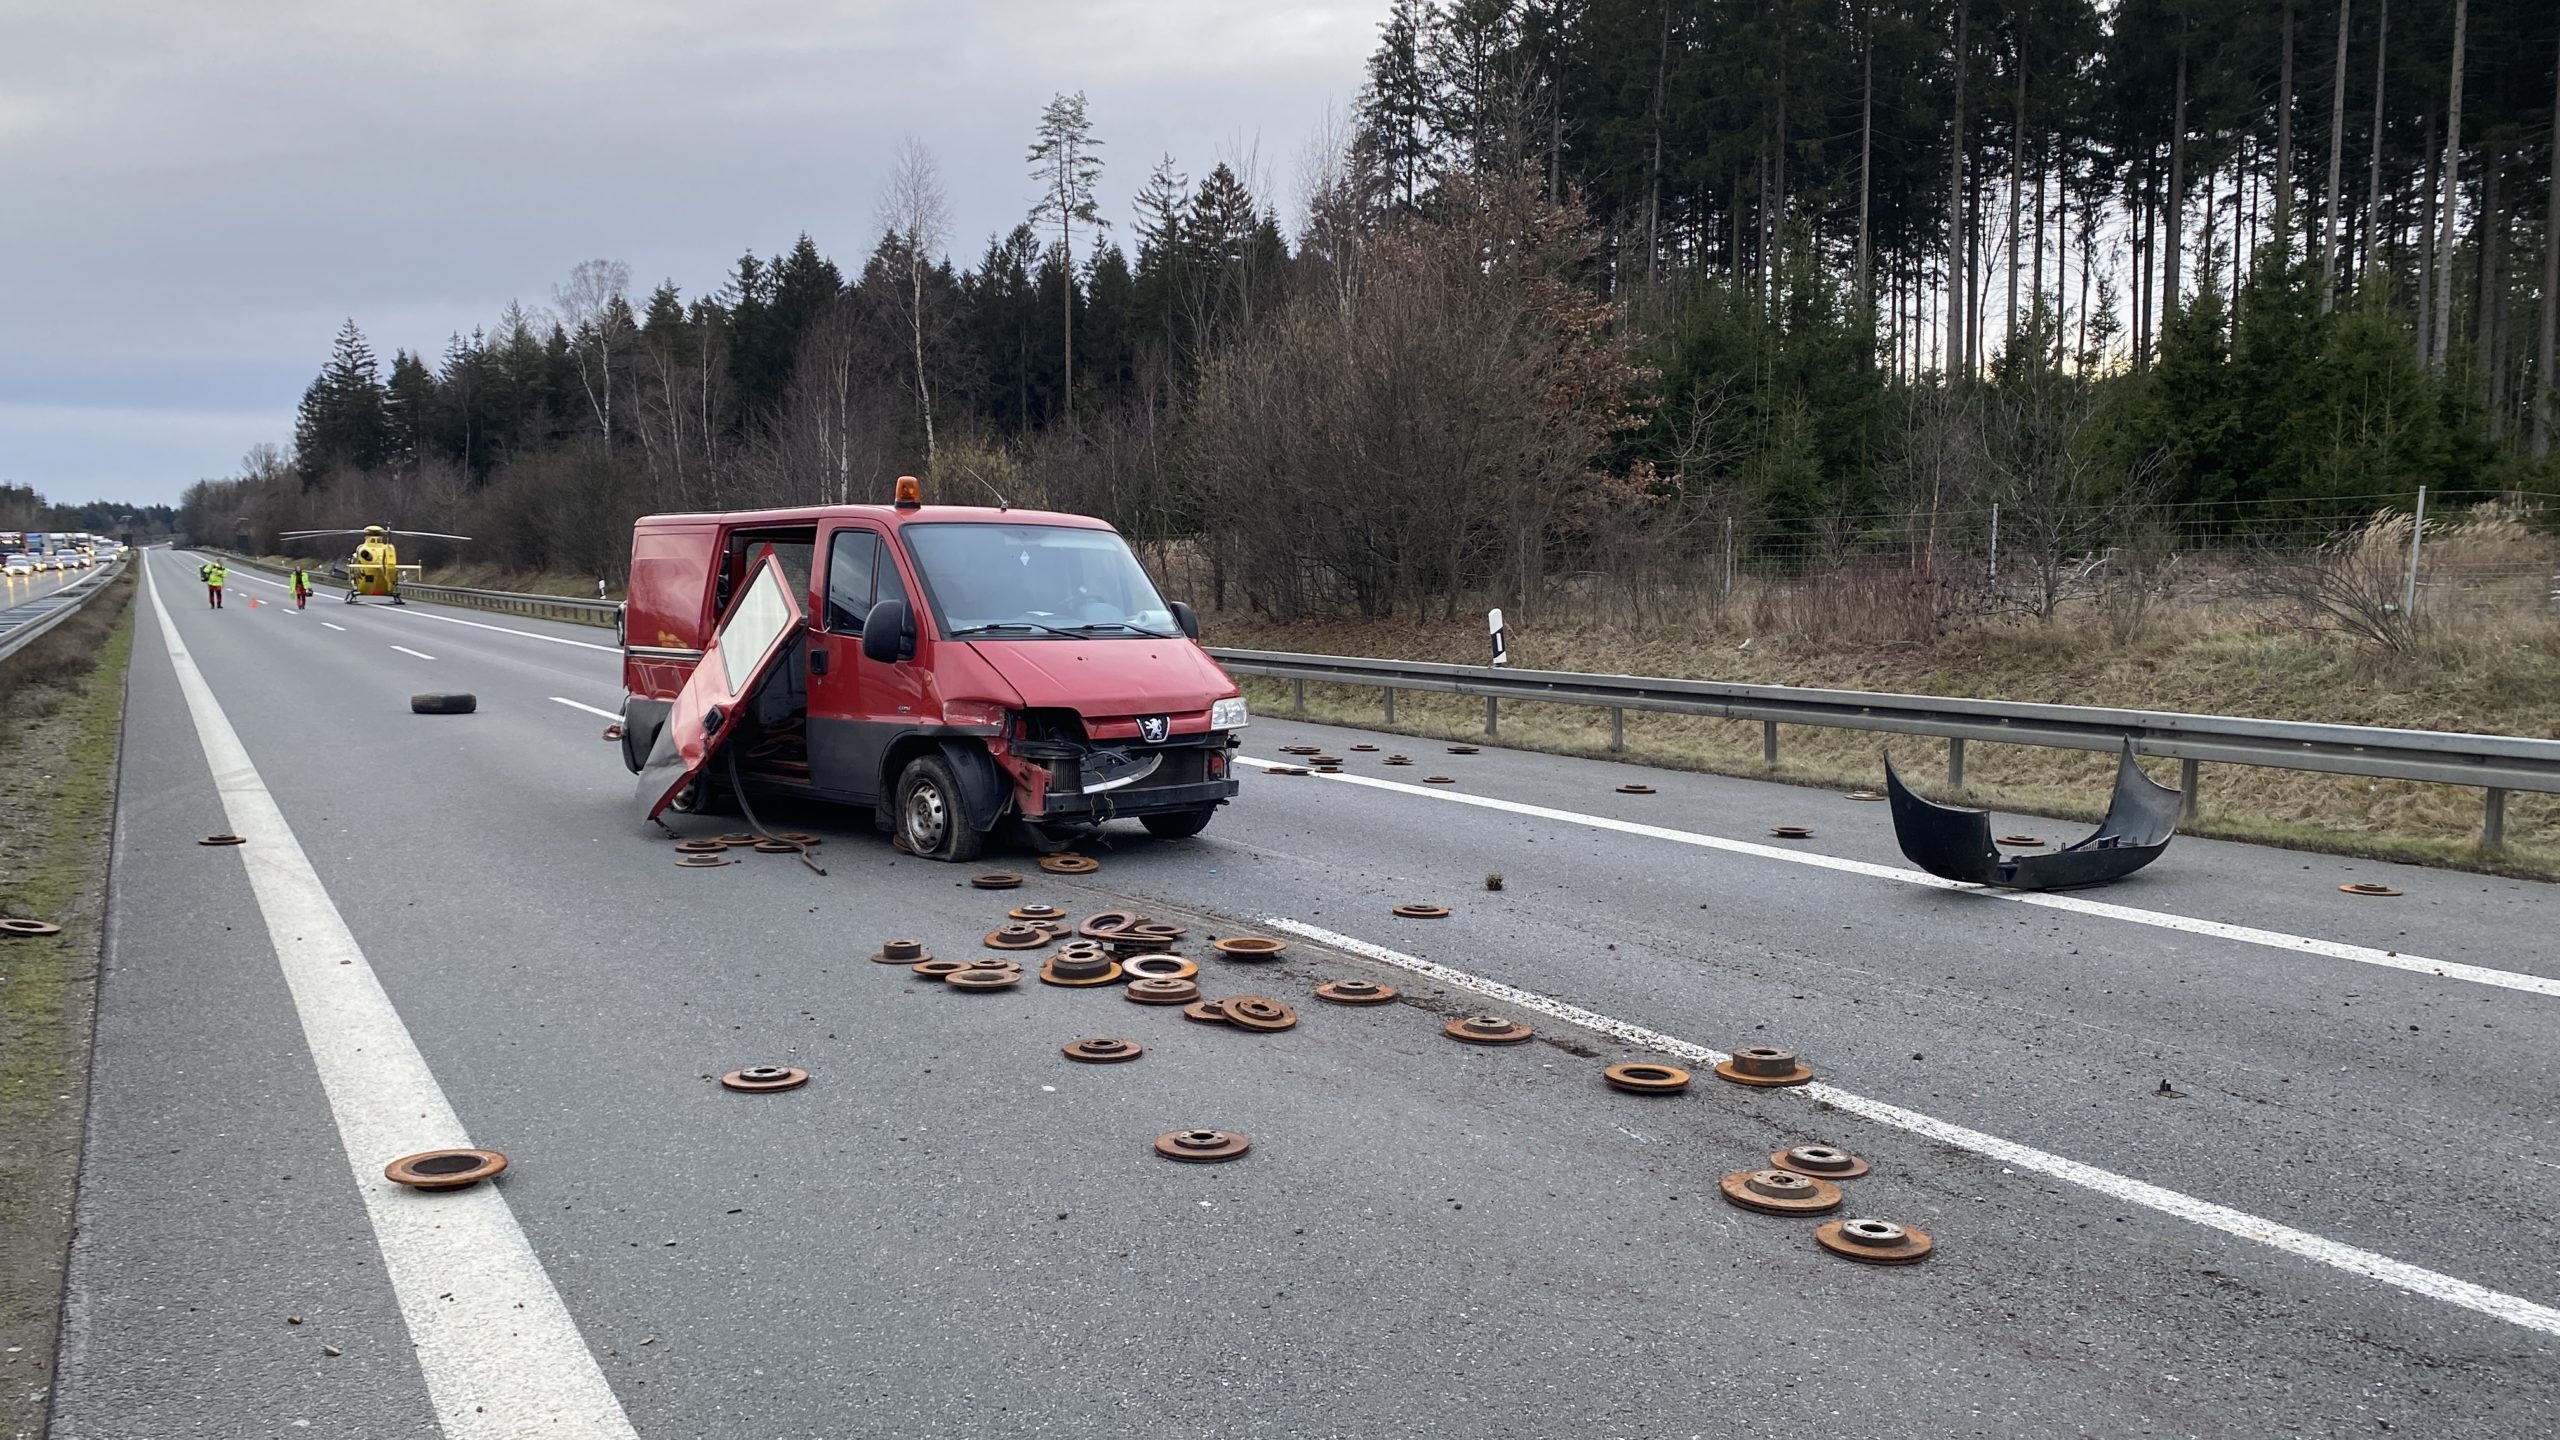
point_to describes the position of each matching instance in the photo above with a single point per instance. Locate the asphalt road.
(17, 590)
(2336, 1224)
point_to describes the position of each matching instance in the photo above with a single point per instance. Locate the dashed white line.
(405, 650)
(2514, 1309)
(501, 1356)
(2214, 929)
(340, 628)
(582, 705)
(474, 624)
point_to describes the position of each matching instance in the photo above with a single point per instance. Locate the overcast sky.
(194, 196)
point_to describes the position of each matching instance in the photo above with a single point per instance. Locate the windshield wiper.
(994, 626)
(1124, 625)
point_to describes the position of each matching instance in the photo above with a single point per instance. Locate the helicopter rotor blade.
(428, 535)
(313, 534)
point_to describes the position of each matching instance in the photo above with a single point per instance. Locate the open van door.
(743, 649)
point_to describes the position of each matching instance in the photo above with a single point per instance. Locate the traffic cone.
(253, 602)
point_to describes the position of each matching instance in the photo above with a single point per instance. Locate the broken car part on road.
(1765, 1065)
(757, 1079)
(1202, 1147)
(1954, 843)
(1876, 1242)
(454, 1169)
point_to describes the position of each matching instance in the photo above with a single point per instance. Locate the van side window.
(850, 562)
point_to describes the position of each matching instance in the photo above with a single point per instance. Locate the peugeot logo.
(1154, 728)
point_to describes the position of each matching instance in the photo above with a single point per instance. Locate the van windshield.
(1036, 581)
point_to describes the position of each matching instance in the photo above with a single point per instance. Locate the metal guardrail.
(21, 624)
(2495, 763)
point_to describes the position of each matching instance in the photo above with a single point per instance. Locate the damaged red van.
(952, 667)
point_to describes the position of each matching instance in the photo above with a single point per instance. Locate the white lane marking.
(339, 628)
(501, 1356)
(582, 705)
(2213, 929)
(474, 624)
(2514, 1309)
(405, 650)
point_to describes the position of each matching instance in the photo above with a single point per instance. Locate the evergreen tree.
(1062, 160)
(342, 420)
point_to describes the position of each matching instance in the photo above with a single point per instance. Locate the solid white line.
(405, 650)
(501, 1356)
(2513, 1309)
(339, 628)
(2213, 929)
(474, 624)
(582, 705)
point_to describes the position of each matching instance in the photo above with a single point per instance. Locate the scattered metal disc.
(1129, 943)
(1399, 760)
(2367, 887)
(1823, 1162)
(984, 977)
(1035, 912)
(1202, 1147)
(1328, 769)
(937, 969)
(1160, 967)
(776, 847)
(1301, 749)
(1015, 937)
(1439, 780)
(2020, 840)
(1487, 1030)
(1249, 947)
(1780, 1192)
(1285, 770)
(1422, 912)
(765, 1077)
(1324, 760)
(1161, 990)
(1862, 795)
(1647, 1079)
(1635, 789)
(1355, 992)
(1207, 1012)
(224, 840)
(1159, 930)
(1253, 1012)
(900, 952)
(1080, 970)
(1108, 924)
(1792, 832)
(1462, 750)
(798, 837)
(1877, 1242)
(1765, 1065)
(703, 862)
(1103, 1050)
(1069, 864)
(995, 880)
(1364, 749)
(699, 847)
(445, 1169)
(30, 929)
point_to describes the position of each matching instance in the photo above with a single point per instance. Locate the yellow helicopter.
(374, 568)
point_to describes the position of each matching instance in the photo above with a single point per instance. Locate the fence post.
(2417, 533)
(1769, 742)
(1728, 557)
(1492, 718)
(1388, 693)
(1995, 542)
(1298, 697)
(1955, 763)
(2187, 787)
(1617, 729)
(2493, 820)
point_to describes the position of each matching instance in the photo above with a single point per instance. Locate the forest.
(1627, 289)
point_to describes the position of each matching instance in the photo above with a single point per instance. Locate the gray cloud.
(193, 197)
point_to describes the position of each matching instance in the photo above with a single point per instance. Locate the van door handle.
(817, 660)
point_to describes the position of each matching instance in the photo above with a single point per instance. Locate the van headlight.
(1229, 714)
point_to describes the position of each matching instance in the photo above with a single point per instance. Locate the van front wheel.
(930, 816)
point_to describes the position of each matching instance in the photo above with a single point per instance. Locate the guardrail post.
(1298, 697)
(1388, 694)
(1492, 717)
(1769, 742)
(1617, 729)
(2493, 820)
(1955, 763)
(2187, 787)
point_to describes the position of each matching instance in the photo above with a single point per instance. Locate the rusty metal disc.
(1079, 972)
(2020, 840)
(798, 837)
(1862, 795)
(699, 847)
(736, 837)
(1249, 947)
(1439, 780)
(1355, 992)
(1161, 929)
(1364, 749)
(2367, 887)
(224, 840)
(1765, 1065)
(1462, 750)
(445, 1169)
(757, 1078)
(1647, 1079)
(1015, 937)
(1780, 1192)
(1069, 864)
(1254, 1012)
(1035, 912)
(1635, 789)
(703, 862)
(1207, 1012)
(1487, 1030)
(984, 977)
(1102, 1050)
(776, 847)
(1301, 749)
(1398, 760)
(29, 929)
(995, 880)
(1108, 924)
(900, 952)
(1328, 769)
(1422, 912)
(1161, 990)
(1324, 760)
(1202, 1147)
(1285, 770)
(1792, 832)
(936, 969)
(1160, 967)
(1823, 1162)
(1877, 1242)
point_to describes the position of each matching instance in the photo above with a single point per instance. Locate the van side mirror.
(886, 634)
(1184, 618)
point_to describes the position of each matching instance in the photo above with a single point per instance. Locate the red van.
(949, 666)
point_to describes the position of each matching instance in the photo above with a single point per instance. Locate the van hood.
(1101, 679)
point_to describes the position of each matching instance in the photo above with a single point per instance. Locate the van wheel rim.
(926, 819)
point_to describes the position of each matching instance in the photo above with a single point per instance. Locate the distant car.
(19, 564)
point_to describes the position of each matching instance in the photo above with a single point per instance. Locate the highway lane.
(17, 590)
(569, 988)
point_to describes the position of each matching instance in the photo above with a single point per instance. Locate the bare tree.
(917, 212)
(2063, 496)
(2442, 338)
(595, 309)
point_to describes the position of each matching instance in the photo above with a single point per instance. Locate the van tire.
(931, 817)
(443, 704)
(1178, 824)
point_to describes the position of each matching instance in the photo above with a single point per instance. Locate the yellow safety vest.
(218, 576)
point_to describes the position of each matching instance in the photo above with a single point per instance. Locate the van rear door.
(743, 649)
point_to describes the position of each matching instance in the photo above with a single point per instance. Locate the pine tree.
(341, 421)
(1062, 160)
(1396, 106)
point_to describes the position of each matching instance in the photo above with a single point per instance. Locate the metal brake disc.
(1102, 1050)
(703, 862)
(2367, 887)
(1207, 1012)
(900, 952)
(1421, 912)
(1877, 1242)
(1779, 1192)
(1107, 924)
(1324, 760)
(445, 1169)
(699, 847)
(759, 1078)
(1202, 1147)
(1253, 1012)
(1647, 1079)
(1355, 992)
(1487, 1030)
(1249, 947)
(1792, 832)
(1635, 789)
(1462, 749)
(224, 840)
(1160, 967)
(1398, 760)
(1439, 780)
(1035, 912)
(1162, 991)
(994, 880)
(1823, 1162)
(29, 928)
(1069, 864)
(1079, 970)
(940, 969)
(1364, 749)
(775, 847)
(1765, 1065)
(736, 837)
(1016, 937)
(984, 977)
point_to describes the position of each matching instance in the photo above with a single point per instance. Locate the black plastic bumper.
(1138, 800)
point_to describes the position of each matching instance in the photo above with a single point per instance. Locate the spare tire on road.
(443, 704)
